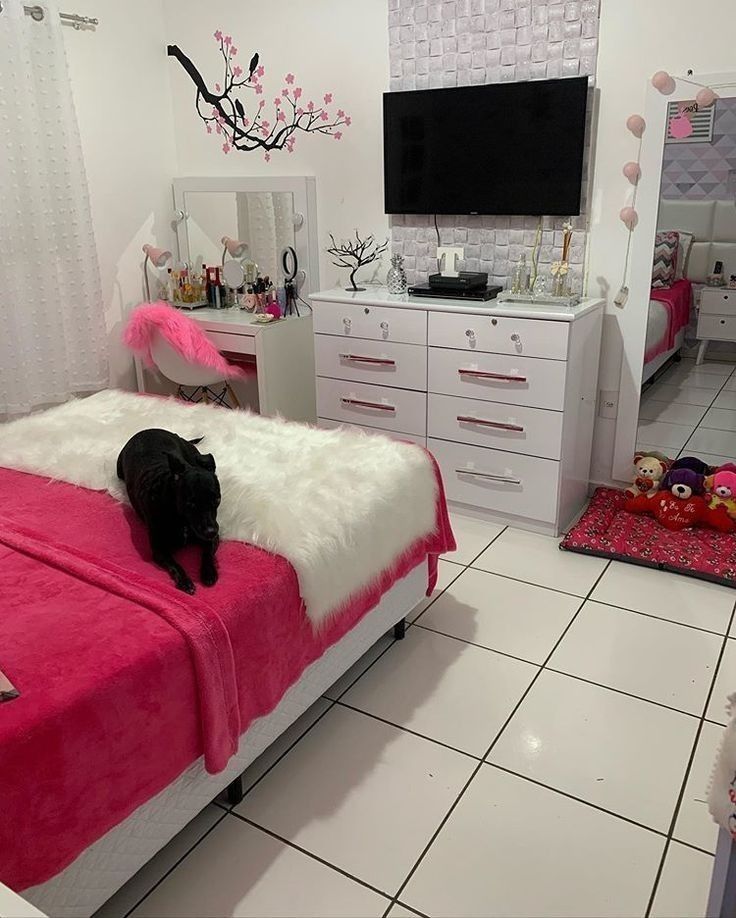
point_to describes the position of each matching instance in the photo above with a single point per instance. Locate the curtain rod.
(37, 13)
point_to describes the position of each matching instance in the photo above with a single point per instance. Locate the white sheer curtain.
(52, 330)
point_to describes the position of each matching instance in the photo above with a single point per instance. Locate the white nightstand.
(716, 317)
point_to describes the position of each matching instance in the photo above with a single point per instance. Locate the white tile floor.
(539, 744)
(691, 411)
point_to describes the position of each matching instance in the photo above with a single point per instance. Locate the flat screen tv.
(506, 148)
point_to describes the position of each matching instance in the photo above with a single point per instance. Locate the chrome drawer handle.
(467, 419)
(362, 404)
(482, 374)
(379, 361)
(505, 478)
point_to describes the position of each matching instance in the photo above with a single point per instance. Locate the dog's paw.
(209, 576)
(186, 586)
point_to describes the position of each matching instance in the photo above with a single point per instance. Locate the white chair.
(207, 384)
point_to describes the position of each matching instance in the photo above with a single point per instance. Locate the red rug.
(607, 530)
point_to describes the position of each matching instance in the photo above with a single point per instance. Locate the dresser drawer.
(384, 362)
(715, 327)
(511, 380)
(327, 424)
(374, 406)
(497, 480)
(718, 302)
(381, 323)
(232, 344)
(532, 431)
(499, 335)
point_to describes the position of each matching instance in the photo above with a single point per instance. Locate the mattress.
(79, 890)
(669, 313)
(657, 322)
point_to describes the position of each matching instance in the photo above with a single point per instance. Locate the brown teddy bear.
(649, 470)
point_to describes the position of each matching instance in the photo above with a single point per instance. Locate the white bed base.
(98, 873)
(661, 359)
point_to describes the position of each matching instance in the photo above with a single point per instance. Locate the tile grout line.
(176, 864)
(697, 426)
(475, 771)
(688, 769)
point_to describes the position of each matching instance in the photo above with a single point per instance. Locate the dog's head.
(197, 493)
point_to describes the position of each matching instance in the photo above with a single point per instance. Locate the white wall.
(120, 81)
(637, 38)
(338, 46)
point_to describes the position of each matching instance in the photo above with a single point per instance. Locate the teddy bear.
(649, 469)
(680, 503)
(723, 491)
(683, 482)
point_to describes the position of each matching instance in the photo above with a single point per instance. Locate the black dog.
(174, 490)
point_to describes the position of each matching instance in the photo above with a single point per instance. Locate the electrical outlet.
(608, 403)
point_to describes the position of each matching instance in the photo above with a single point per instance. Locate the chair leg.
(400, 630)
(235, 791)
(231, 395)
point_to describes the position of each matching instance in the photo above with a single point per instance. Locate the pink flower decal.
(218, 35)
(261, 104)
(228, 39)
(226, 147)
(266, 124)
(267, 157)
(218, 128)
(299, 112)
(340, 113)
(259, 89)
(233, 50)
(298, 92)
(209, 128)
(237, 71)
(324, 116)
(289, 77)
(277, 101)
(261, 70)
(328, 98)
(348, 120)
(281, 116)
(285, 92)
(246, 122)
(217, 87)
(310, 106)
(338, 135)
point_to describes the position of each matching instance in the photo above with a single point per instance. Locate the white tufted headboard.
(713, 223)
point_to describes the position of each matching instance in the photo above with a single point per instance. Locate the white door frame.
(633, 316)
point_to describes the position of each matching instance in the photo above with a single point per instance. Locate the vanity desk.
(282, 353)
(502, 394)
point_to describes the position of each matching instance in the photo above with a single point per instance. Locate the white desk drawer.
(374, 406)
(382, 362)
(511, 380)
(717, 327)
(532, 431)
(499, 335)
(718, 302)
(497, 480)
(380, 323)
(393, 434)
(233, 344)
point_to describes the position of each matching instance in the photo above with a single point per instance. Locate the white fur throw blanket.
(339, 505)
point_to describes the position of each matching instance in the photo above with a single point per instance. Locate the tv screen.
(507, 148)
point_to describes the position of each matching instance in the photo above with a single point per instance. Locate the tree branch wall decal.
(242, 123)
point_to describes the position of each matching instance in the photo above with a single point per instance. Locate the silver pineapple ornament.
(396, 278)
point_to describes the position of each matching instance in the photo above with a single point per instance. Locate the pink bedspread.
(677, 300)
(124, 681)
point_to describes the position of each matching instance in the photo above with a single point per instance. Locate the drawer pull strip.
(362, 404)
(482, 374)
(380, 361)
(507, 478)
(500, 425)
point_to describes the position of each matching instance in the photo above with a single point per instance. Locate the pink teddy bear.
(723, 486)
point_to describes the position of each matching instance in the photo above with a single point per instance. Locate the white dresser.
(716, 317)
(502, 394)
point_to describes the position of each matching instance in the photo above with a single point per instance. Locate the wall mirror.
(267, 215)
(677, 394)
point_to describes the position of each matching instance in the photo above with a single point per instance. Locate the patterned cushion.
(665, 259)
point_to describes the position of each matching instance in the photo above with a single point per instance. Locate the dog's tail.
(195, 441)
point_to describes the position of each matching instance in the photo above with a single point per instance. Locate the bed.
(710, 236)
(138, 704)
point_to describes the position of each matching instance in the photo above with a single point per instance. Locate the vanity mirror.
(245, 224)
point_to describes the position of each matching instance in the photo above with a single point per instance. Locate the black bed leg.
(400, 630)
(235, 791)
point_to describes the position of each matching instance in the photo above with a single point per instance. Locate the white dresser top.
(379, 296)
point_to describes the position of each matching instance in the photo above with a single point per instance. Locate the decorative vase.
(396, 278)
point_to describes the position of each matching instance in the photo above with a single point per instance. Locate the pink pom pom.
(632, 171)
(705, 97)
(629, 217)
(663, 82)
(636, 124)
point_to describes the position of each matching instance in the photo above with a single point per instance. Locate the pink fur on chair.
(185, 335)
